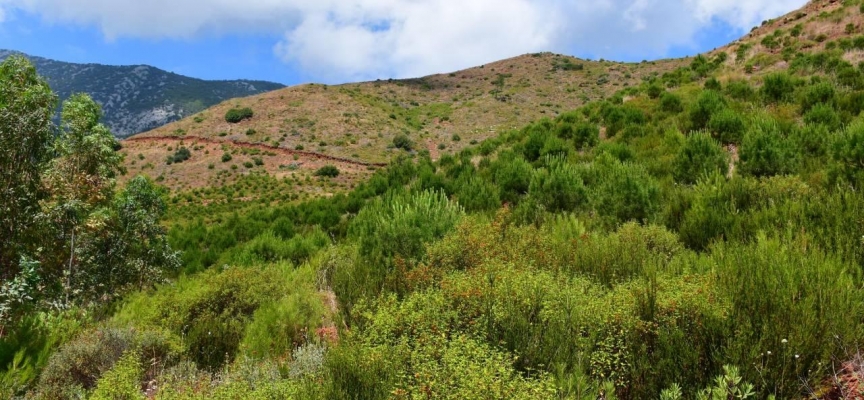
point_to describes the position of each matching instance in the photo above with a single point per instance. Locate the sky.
(337, 41)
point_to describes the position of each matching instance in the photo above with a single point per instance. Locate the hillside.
(138, 98)
(441, 114)
(445, 113)
(695, 235)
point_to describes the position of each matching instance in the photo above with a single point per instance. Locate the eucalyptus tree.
(27, 106)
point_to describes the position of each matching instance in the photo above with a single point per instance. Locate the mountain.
(138, 98)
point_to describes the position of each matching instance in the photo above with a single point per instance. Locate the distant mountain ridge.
(139, 98)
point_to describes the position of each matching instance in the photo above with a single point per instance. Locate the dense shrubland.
(702, 239)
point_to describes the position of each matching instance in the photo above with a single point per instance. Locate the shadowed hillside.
(137, 98)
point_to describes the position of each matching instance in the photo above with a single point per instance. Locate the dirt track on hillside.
(258, 146)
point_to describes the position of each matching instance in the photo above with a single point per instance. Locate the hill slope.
(139, 97)
(447, 112)
(360, 120)
(439, 113)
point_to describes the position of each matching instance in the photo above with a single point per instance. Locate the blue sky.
(334, 41)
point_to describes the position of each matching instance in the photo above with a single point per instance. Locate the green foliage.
(329, 171)
(654, 90)
(78, 365)
(825, 115)
(213, 311)
(399, 225)
(765, 151)
(777, 87)
(558, 188)
(727, 126)
(277, 327)
(820, 93)
(236, 115)
(848, 155)
(729, 385)
(700, 156)
(740, 90)
(708, 104)
(513, 175)
(477, 194)
(403, 142)
(270, 248)
(623, 191)
(123, 381)
(226, 157)
(26, 108)
(182, 154)
(140, 255)
(586, 135)
(27, 346)
(391, 233)
(671, 103)
(786, 331)
(713, 84)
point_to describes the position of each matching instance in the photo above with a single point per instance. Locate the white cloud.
(415, 38)
(339, 40)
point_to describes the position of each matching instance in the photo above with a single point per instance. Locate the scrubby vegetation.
(702, 241)
(236, 115)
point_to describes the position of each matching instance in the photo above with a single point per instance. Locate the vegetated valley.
(695, 234)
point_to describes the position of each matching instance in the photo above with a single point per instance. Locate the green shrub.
(820, 93)
(211, 310)
(182, 154)
(328, 171)
(279, 326)
(79, 364)
(777, 87)
(478, 194)
(740, 90)
(619, 151)
(654, 90)
(269, 248)
(226, 157)
(414, 333)
(623, 191)
(586, 135)
(558, 188)
(848, 155)
(537, 135)
(626, 254)
(812, 139)
(391, 233)
(708, 104)
(765, 151)
(810, 293)
(402, 142)
(123, 381)
(236, 115)
(727, 126)
(512, 174)
(554, 147)
(713, 84)
(671, 103)
(701, 155)
(825, 115)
